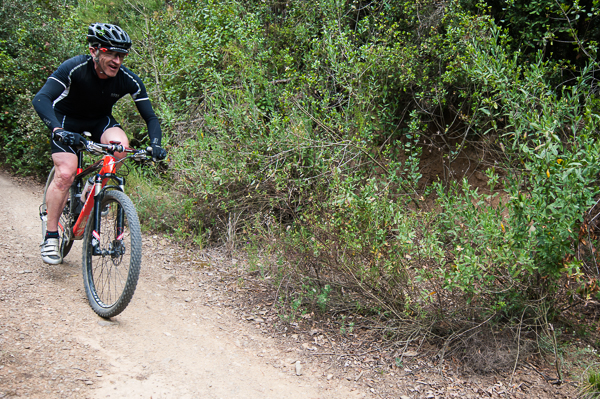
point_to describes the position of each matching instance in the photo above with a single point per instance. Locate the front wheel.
(112, 256)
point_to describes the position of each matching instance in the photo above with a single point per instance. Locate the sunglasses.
(114, 53)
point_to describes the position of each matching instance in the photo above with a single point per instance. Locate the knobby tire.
(110, 279)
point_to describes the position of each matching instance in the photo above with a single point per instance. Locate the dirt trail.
(175, 340)
(187, 334)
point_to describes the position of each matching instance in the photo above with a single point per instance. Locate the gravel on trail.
(187, 333)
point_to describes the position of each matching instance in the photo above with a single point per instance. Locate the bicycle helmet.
(110, 36)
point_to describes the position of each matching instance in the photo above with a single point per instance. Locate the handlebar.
(100, 149)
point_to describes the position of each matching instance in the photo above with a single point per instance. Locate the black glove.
(158, 153)
(68, 138)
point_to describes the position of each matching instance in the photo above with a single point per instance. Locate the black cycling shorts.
(95, 126)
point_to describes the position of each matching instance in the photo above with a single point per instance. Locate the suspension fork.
(98, 196)
(120, 223)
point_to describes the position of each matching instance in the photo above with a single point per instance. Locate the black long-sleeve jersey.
(76, 91)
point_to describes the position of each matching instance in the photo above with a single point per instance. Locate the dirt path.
(189, 332)
(175, 340)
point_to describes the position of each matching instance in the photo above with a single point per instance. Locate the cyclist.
(78, 97)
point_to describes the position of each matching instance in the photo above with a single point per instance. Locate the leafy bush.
(311, 127)
(35, 37)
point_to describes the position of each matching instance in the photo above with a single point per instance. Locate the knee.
(115, 134)
(124, 140)
(63, 178)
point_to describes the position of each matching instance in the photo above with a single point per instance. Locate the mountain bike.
(107, 222)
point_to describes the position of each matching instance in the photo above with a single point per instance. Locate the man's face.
(107, 62)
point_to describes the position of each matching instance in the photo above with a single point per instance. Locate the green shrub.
(35, 36)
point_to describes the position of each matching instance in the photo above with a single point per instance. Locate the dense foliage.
(34, 38)
(424, 160)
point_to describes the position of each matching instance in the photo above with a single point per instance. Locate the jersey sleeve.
(142, 102)
(57, 85)
(146, 111)
(44, 99)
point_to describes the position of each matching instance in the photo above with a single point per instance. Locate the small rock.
(88, 382)
(298, 368)
(308, 347)
(329, 377)
(480, 176)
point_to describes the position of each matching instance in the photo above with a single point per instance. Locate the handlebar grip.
(58, 135)
(69, 138)
(149, 151)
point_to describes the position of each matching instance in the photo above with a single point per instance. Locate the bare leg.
(65, 168)
(115, 134)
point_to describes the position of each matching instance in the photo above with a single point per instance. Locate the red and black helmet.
(109, 36)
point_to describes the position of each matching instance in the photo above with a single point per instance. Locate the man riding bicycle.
(78, 97)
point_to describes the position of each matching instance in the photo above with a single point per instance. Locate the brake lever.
(93, 148)
(140, 156)
(149, 151)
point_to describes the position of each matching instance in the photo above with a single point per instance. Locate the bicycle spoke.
(111, 276)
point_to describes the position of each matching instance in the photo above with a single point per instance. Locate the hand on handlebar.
(68, 138)
(158, 153)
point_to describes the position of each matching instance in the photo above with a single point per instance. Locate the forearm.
(154, 130)
(42, 103)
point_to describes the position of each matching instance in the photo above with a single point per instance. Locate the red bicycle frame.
(106, 172)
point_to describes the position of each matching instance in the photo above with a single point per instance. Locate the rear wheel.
(65, 220)
(112, 256)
